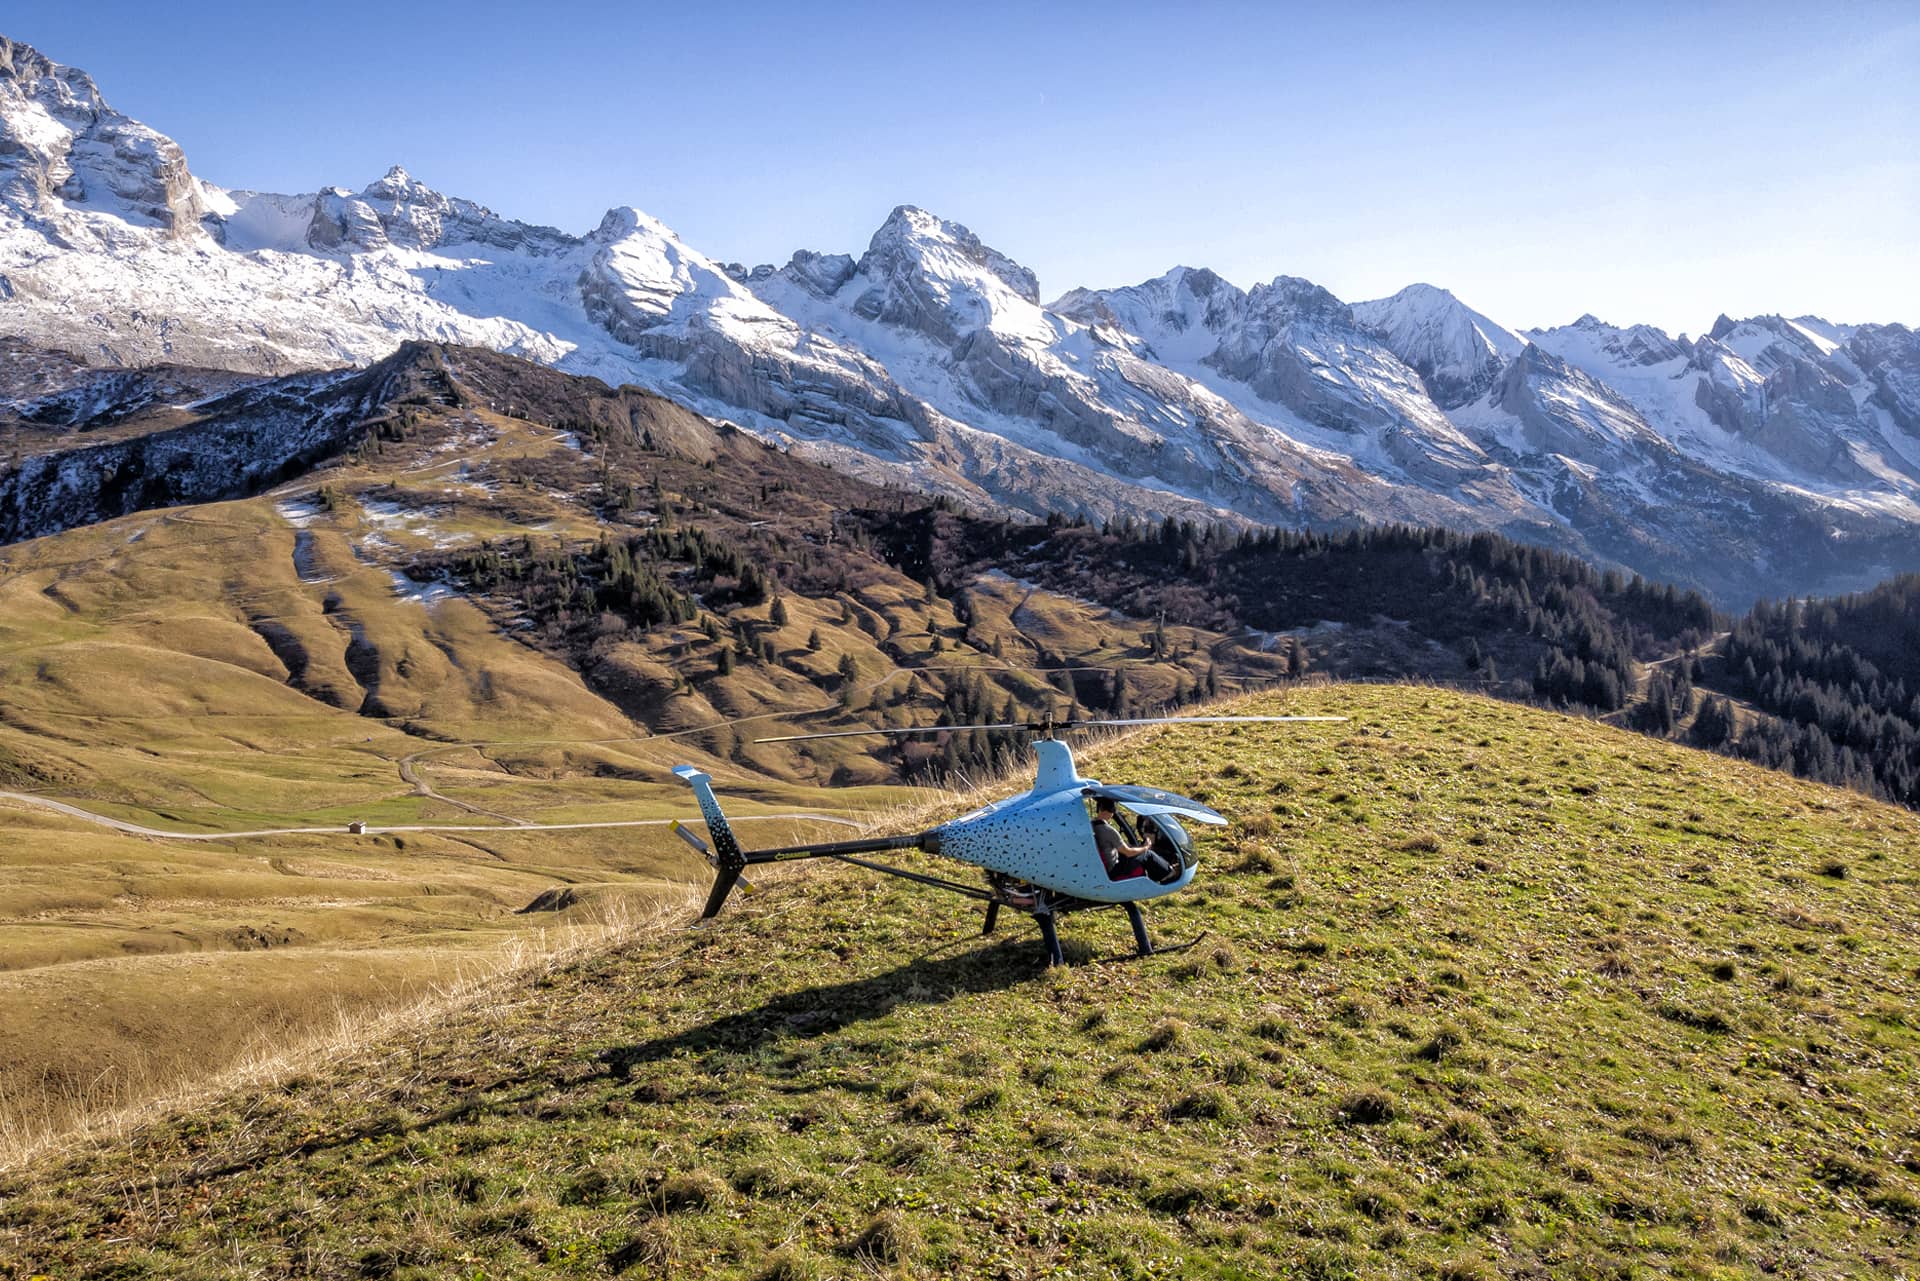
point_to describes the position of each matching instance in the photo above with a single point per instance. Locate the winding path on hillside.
(411, 766)
(421, 787)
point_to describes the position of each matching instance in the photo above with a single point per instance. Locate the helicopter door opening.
(1152, 816)
(1169, 852)
(1171, 844)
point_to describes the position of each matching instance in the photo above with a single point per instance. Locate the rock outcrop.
(63, 148)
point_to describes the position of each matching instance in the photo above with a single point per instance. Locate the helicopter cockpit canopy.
(1158, 813)
(1154, 801)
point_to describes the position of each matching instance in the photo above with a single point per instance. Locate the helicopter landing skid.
(1046, 907)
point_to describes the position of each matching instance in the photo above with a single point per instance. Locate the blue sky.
(1635, 161)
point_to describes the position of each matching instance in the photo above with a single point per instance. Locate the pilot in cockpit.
(1120, 859)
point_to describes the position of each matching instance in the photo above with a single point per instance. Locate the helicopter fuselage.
(1038, 849)
(1045, 838)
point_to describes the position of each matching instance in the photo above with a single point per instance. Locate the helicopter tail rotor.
(726, 855)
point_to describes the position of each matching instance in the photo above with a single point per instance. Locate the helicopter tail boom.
(729, 860)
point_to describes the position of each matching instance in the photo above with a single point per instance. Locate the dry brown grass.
(64, 1111)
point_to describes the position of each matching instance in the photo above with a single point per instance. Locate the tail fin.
(727, 858)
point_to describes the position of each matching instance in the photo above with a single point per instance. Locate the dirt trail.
(422, 787)
(1714, 645)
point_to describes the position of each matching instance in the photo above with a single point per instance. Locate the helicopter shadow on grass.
(956, 968)
(811, 1012)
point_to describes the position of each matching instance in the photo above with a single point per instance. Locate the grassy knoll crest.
(1471, 990)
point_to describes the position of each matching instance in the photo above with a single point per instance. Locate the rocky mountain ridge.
(1766, 456)
(105, 443)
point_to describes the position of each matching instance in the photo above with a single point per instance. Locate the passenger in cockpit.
(1119, 858)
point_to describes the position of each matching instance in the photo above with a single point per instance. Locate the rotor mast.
(1053, 766)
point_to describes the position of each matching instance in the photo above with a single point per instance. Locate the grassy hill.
(1466, 990)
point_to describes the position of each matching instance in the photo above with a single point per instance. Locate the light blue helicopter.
(1038, 849)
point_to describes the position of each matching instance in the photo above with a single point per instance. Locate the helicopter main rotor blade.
(1041, 727)
(922, 729)
(1193, 720)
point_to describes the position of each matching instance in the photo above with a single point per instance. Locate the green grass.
(1467, 990)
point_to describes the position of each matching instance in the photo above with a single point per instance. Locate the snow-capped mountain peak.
(1767, 342)
(924, 273)
(398, 210)
(71, 161)
(1288, 351)
(1457, 351)
(1183, 300)
(941, 248)
(1285, 297)
(1595, 340)
(643, 277)
(398, 185)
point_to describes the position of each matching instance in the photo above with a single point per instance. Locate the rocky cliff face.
(1560, 411)
(113, 442)
(399, 211)
(62, 148)
(929, 360)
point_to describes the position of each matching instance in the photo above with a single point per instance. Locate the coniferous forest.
(1577, 632)
(1839, 680)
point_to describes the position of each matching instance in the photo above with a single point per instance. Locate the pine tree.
(1658, 716)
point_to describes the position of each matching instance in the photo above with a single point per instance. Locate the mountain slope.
(1470, 992)
(929, 360)
(1771, 399)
